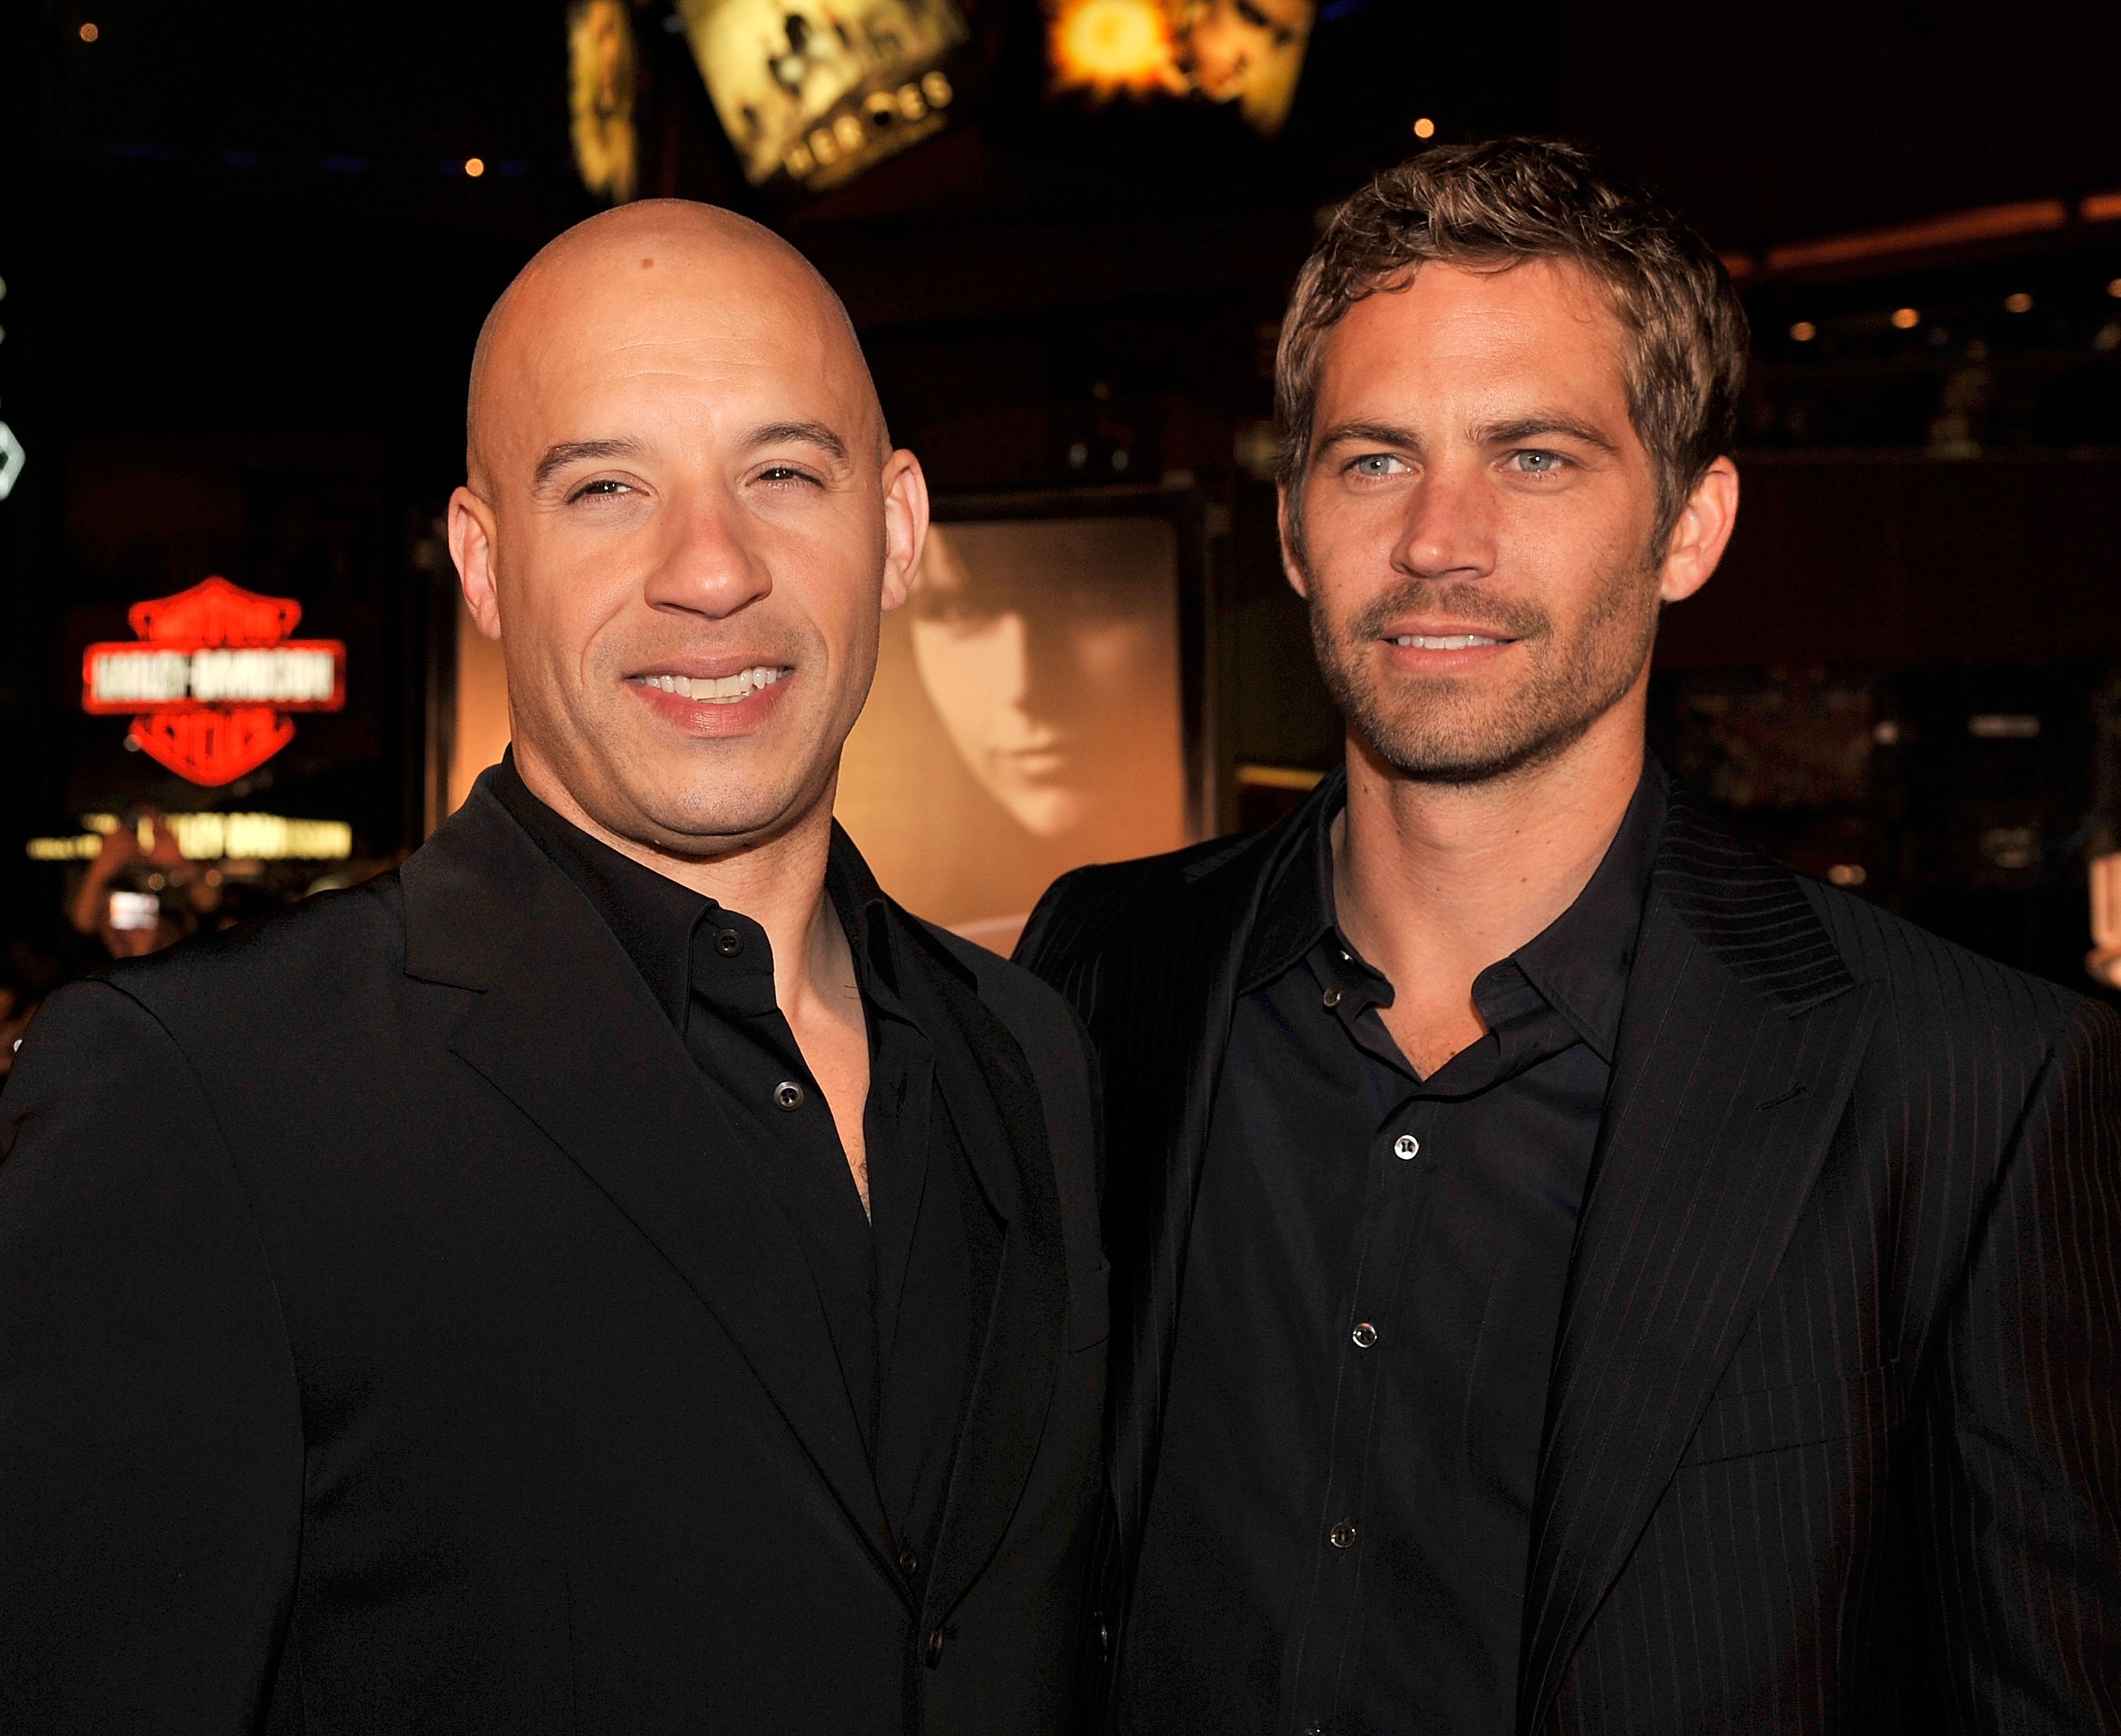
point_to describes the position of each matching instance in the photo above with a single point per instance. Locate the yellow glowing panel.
(1247, 53)
(817, 93)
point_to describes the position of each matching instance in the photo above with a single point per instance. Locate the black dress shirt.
(905, 1288)
(1339, 1532)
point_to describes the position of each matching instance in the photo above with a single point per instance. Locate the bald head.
(683, 523)
(634, 268)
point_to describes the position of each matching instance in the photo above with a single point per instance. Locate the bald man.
(620, 1273)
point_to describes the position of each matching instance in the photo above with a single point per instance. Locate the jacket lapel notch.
(1737, 1051)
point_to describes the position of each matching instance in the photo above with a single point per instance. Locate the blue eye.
(1376, 464)
(1537, 463)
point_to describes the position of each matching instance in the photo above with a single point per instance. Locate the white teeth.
(1445, 641)
(724, 690)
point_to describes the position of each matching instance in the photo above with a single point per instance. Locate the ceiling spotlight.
(1906, 318)
(1424, 128)
(89, 33)
(2113, 289)
(474, 166)
(1804, 331)
(2018, 302)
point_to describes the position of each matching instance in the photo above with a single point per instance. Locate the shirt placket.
(1327, 1638)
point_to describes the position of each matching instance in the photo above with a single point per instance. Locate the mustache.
(1500, 618)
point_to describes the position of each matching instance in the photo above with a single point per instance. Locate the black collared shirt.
(1340, 1528)
(906, 1292)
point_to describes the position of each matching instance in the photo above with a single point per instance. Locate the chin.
(1045, 812)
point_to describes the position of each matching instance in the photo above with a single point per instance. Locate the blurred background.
(245, 250)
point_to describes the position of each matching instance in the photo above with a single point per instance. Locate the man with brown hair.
(1576, 1274)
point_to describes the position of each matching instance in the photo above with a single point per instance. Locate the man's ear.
(1292, 561)
(1702, 533)
(471, 547)
(905, 525)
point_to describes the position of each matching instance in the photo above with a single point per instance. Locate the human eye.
(786, 476)
(600, 488)
(1377, 464)
(1537, 463)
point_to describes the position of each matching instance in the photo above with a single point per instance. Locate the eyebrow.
(557, 459)
(813, 433)
(1534, 427)
(1486, 434)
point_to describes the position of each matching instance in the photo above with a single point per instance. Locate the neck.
(778, 880)
(1433, 882)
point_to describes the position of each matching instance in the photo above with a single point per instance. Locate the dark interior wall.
(1901, 561)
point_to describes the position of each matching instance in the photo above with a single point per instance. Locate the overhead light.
(2113, 289)
(2018, 302)
(474, 166)
(1804, 331)
(1906, 318)
(1424, 128)
(89, 33)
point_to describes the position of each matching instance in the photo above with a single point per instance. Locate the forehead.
(656, 333)
(1543, 327)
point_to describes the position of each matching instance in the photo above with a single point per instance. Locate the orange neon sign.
(210, 680)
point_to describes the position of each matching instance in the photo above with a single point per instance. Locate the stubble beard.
(1434, 730)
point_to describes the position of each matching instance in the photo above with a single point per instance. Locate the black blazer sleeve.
(2018, 1437)
(151, 1452)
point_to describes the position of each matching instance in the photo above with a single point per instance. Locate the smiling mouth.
(1447, 641)
(724, 690)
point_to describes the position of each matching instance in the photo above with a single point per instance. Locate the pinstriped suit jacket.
(1834, 1440)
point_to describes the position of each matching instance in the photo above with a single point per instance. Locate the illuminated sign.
(812, 97)
(211, 678)
(212, 837)
(1247, 55)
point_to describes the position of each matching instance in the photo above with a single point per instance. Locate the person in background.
(137, 898)
(1573, 1274)
(619, 1272)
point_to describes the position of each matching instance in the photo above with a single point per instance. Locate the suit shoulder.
(1939, 983)
(1083, 907)
(301, 956)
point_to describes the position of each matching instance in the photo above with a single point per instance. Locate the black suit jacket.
(1834, 1440)
(392, 1339)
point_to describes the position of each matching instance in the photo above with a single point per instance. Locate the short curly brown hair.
(1491, 206)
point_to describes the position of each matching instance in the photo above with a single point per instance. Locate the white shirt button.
(1405, 1147)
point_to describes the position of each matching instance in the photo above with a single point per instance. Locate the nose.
(707, 566)
(1449, 531)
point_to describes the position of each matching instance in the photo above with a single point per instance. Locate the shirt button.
(1364, 1335)
(729, 943)
(1341, 1535)
(931, 1654)
(1405, 1147)
(1332, 996)
(909, 1563)
(789, 1095)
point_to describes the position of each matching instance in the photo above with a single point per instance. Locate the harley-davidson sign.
(211, 678)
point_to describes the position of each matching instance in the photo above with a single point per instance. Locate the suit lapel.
(1161, 1020)
(1737, 1053)
(566, 1029)
(988, 1091)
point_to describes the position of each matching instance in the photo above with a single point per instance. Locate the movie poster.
(1026, 718)
(601, 81)
(811, 93)
(1244, 56)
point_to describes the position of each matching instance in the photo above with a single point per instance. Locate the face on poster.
(813, 92)
(1025, 720)
(601, 89)
(1245, 53)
